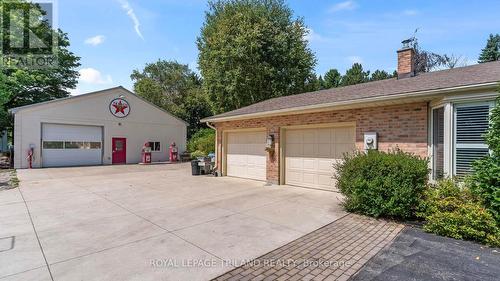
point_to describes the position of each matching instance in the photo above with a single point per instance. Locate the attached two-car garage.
(309, 153)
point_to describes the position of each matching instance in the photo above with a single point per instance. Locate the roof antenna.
(410, 42)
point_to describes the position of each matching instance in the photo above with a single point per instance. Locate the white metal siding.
(71, 157)
(311, 153)
(246, 155)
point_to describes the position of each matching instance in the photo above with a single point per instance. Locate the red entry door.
(119, 146)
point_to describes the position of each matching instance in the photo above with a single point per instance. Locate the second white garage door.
(311, 153)
(246, 155)
(71, 145)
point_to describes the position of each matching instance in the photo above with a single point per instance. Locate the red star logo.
(120, 107)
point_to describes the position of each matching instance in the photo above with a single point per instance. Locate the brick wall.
(402, 126)
(406, 62)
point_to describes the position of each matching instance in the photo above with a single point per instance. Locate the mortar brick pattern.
(334, 252)
(398, 126)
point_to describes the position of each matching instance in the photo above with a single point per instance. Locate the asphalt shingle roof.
(450, 78)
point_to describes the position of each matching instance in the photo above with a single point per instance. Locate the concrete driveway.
(147, 223)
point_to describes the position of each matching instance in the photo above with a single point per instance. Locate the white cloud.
(312, 36)
(94, 41)
(94, 76)
(343, 6)
(131, 14)
(410, 12)
(355, 59)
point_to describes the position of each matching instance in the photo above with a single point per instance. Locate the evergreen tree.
(355, 75)
(321, 83)
(380, 75)
(492, 50)
(332, 78)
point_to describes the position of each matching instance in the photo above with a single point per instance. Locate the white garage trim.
(299, 128)
(226, 151)
(72, 145)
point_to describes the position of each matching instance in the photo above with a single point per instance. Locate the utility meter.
(371, 140)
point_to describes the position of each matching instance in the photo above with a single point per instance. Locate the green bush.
(203, 141)
(387, 184)
(452, 211)
(485, 179)
(197, 154)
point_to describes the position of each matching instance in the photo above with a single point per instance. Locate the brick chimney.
(406, 61)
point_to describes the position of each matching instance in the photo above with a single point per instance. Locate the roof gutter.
(326, 106)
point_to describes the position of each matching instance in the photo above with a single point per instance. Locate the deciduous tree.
(252, 50)
(175, 88)
(20, 85)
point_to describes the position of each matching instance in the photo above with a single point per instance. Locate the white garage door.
(246, 155)
(71, 145)
(311, 153)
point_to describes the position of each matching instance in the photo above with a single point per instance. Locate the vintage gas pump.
(31, 156)
(146, 153)
(173, 152)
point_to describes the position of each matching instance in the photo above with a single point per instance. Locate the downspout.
(216, 146)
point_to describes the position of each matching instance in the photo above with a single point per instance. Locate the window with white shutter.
(471, 124)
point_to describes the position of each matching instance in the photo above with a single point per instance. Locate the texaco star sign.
(119, 107)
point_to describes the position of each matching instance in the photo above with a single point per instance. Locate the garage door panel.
(294, 163)
(309, 149)
(324, 135)
(61, 132)
(294, 149)
(325, 180)
(246, 156)
(309, 178)
(325, 165)
(56, 158)
(344, 135)
(294, 137)
(325, 150)
(309, 164)
(309, 160)
(341, 149)
(309, 136)
(78, 145)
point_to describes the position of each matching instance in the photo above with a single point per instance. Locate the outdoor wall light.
(270, 144)
(270, 141)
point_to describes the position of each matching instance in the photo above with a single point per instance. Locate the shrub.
(485, 178)
(203, 141)
(388, 184)
(197, 154)
(452, 211)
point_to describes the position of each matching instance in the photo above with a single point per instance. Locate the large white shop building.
(98, 128)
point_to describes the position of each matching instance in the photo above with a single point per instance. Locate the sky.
(114, 37)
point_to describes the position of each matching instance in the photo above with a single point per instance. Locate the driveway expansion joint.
(36, 235)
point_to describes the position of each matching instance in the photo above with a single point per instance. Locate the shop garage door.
(246, 155)
(311, 153)
(71, 145)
